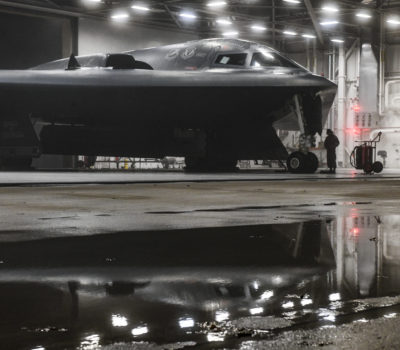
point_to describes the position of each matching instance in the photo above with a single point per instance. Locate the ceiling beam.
(314, 20)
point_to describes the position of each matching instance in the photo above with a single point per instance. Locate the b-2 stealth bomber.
(212, 101)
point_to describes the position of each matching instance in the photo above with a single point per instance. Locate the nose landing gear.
(302, 163)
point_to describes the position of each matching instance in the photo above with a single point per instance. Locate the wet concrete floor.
(236, 265)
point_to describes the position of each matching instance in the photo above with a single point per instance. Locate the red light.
(355, 231)
(356, 108)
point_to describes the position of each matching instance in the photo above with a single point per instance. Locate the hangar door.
(27, 39)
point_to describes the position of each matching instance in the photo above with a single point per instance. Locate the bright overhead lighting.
(93, 0)
(363, 15)
(140, 8)
(216, 3)
(393, 21)
(120, 16)
(309, 36)
(328, 23)
(292, 1)
(187, 15)
(258, 28)
(330, 9)
(337, 40)
(230, 34)
(224, 22)
(288, 32)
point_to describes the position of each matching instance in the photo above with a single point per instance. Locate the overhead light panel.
(331, 9)
(292, 1)
(309, 36)
(233, 33)
(393, 21)
(289, 32)
(122, 16)
(216, 3)
(188, 15)
(337, 41)
(328, 23)
(224, 22)
(140, 8)
(258, 28)
(363, 15)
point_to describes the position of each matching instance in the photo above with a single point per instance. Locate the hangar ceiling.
(274, 21)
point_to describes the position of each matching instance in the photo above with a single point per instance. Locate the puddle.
(198, 287)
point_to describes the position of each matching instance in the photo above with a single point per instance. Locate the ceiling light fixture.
(233, 33)
(328, 23)
(216, 3)
(140, 8)
(289, 32)
(337, 41)
(120, 16)
(258, 28)
(224, 22)
(187, 15)
(330, 9)
(309, 36)
(363, 15)
(393, 21)
(292, 1)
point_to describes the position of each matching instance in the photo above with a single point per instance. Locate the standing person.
(331, 142)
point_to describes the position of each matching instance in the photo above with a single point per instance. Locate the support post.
(341, 117)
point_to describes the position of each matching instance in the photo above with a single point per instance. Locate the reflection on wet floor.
(199, 286)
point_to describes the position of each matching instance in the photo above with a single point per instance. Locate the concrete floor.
(325, 246)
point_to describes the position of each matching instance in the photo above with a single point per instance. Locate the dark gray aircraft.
(211, 101)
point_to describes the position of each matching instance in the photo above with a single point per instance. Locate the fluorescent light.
(328, 23)
(258, 28)
(292, 1)
(139, 331)
(187, 15)
(256, 310)
(119, 321)
(393, 21)
(363, 15)
(93, 0)
(308, 36)
(216, 3)
(120, 16)
(140, 8)
(337, 40)
(186, 323)
(224, 22)
(288, 32)
(230, 33)
(330, 9)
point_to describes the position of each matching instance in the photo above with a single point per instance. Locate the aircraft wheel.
(297, 162)
(312, 163)
(377, 167)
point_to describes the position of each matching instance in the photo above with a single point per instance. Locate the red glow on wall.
(355, 231)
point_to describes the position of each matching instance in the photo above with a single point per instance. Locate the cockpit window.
(270, 59)
(233, 59)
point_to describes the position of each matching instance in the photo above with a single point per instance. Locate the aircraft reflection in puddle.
(163, 286)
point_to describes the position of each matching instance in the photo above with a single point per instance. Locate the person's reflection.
(73, 287)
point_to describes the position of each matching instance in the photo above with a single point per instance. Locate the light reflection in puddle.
(308, 272)
(138, 331)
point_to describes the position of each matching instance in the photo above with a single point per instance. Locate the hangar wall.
(102, 36)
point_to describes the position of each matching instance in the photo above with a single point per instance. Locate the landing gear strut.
(302, 161)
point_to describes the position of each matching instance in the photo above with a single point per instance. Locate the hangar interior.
(352, 43)
(253, 259)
